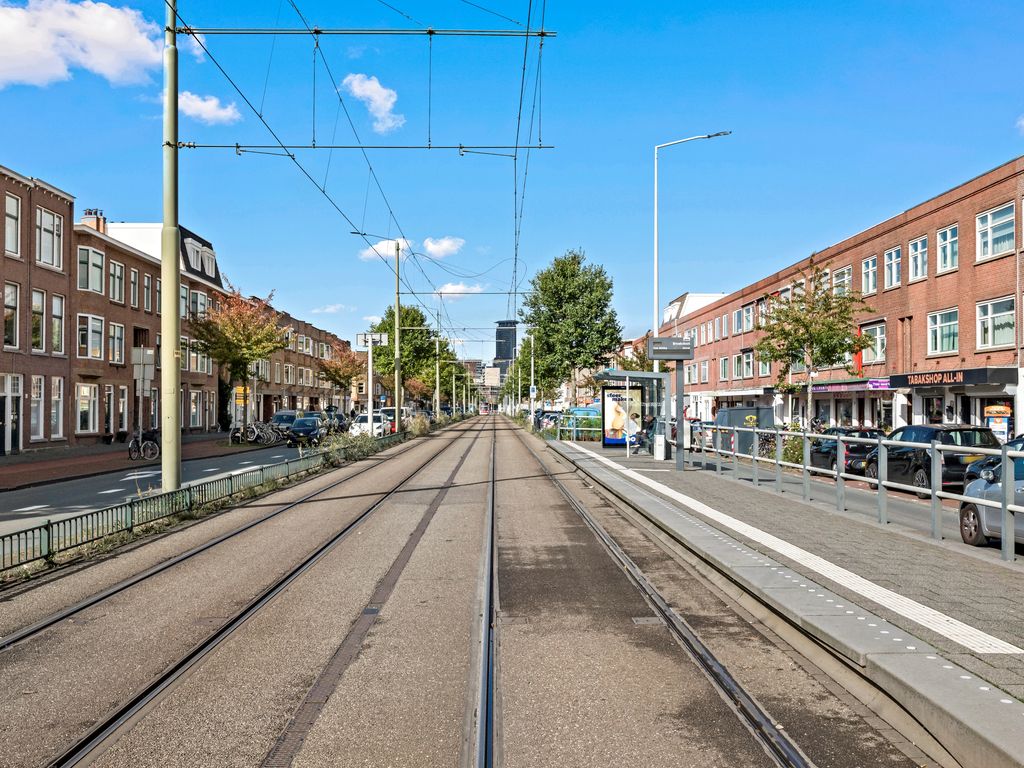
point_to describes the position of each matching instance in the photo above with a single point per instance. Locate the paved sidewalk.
(37, 468)
(938, 625)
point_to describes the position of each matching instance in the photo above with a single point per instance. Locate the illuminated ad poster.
(620, 410)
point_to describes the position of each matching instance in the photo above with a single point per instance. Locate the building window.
(996, 323)
(134, 288)
(289, 374)
(36, 412)
(195, 409)
(748, 365)
(919, 258)
(764, 367)
(56, 407)
(949, 254)
(154, 408)
(703, 334)
(869, 275)
(198, 303)
(122, 408)
(115, 343)
(737, 366)
(11, 291)
(108, 408)
(704, 372)
(158, 308)
(90, 337)
(38, 321)
(842, 280)
(723, 369)
(157, 353)
(893, 267)
(12, 225)
(183, 353)
(718, 328)
(183, 301)
(90, 270)
(944, 332)
(996, 232)
(57, 324)
(49, 238)
(117, 282)
(748, 318)
(876, 352)
(277, 373)
(87, 399)
(195, 363)
(725, 325)
(147, 297)
(737, 321)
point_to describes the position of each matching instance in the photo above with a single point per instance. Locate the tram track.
(51, 620)
(777, 744)
(101, 735)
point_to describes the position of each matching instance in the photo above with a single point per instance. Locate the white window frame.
(157, 297)
(893, 274)
(878, 331)
(938, 325)
(748, 318)
(917, 250)
(12, 223)
(37, 409)
(737, 366)
(147, 292)
(122, 408)
(17, 315)
(116, 279)
(723, 368)
(115, 343)
(93, 260)
(764, 367)
(56, 407)
(842, 280)
(90, 330)
(984, 231)
(89, 393)
(133, 288)
(986, 322)
(748, 365)
(195, 408)
(725, 325)
(56, 326)
(56, 260)
(42, 321)
(948, 242)
(869, 269)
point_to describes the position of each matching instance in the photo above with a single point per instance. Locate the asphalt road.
(26, 507)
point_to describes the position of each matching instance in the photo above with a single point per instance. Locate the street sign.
(366, 339)
(669, 348)
(533, 391)
(383, 398)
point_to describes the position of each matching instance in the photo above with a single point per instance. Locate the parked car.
(282, 420)
(913, 466)
(824, 452)
(306, 430)
(588, 412)
(978, 522)
(361, 425)
(549, 419)
(975, 468)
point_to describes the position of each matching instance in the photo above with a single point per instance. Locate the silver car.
(979, 522)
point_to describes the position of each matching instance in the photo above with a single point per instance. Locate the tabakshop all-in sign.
(620, 411)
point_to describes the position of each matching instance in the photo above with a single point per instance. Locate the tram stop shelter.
(647, 389)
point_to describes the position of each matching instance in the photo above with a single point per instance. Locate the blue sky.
(842, 114)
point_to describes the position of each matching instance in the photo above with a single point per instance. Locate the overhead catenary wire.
(185, 30)
(493, 13)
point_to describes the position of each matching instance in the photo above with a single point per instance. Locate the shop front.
(977, 396)
(854, 403)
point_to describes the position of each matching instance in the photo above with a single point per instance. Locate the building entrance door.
(5, 435)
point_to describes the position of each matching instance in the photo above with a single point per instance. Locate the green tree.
(570, 311)
(816, 326)
(418, 349)
(237, 332)
(638, 361)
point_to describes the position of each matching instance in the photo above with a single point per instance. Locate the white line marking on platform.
(640, 469)
(32, 508)
(211, 469)
(957, 631)
(113, 490)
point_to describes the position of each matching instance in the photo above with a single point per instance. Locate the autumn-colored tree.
(343, 366)
(418, 389)
(238, 331)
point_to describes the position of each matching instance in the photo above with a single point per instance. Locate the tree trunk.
(810, 396)
(245, 405)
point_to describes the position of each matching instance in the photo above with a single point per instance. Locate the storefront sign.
(852, 386)
(954, 378)
(618, 406)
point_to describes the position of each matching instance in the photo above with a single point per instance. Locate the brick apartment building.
(943, 280)
(78, 297)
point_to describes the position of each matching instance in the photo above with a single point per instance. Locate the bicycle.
(143, 446)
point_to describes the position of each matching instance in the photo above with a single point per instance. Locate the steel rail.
(58, 616)
(777, 744)
(108, 728)
(485, 733)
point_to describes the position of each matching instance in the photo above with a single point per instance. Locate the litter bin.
(659, 448)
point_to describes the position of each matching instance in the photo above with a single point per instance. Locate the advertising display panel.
(620, 411)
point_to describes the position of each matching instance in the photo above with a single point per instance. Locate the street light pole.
(170, 274)
(398, 337)
(656, 317)
(532, 389)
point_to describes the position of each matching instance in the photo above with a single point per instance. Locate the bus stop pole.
(681, 425)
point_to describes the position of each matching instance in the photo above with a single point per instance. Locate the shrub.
(419, 426)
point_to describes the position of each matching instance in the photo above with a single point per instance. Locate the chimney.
(94, 218)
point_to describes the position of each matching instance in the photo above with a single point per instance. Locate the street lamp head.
(720, 133)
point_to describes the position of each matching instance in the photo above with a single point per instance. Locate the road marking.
(243, 463)
(32, 508)
(277, 456)
(139, 475)
(957, 631)
(113, 490)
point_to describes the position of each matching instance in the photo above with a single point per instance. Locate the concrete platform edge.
(960, 719)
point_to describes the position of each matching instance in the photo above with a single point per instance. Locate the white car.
(361, 425)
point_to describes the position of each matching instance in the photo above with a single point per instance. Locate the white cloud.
(192, 45)
(42, 41)
(372, 319)
(380, 101)
(386, 249)
(455, 291)
(208, 109)
(332, 309)
(1020, 123)
(443, 246)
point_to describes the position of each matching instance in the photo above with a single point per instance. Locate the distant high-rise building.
(505, 345)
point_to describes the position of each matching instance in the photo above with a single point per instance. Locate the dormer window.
(193, 254)
(209, 262)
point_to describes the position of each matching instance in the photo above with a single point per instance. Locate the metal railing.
(51, 537)
(769, 446)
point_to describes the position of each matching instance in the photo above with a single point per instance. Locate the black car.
(913, 466)
(306, 430)
(975, 468)
(824, 452)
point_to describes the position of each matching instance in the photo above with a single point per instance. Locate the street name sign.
(366, 339)
(669, 348)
